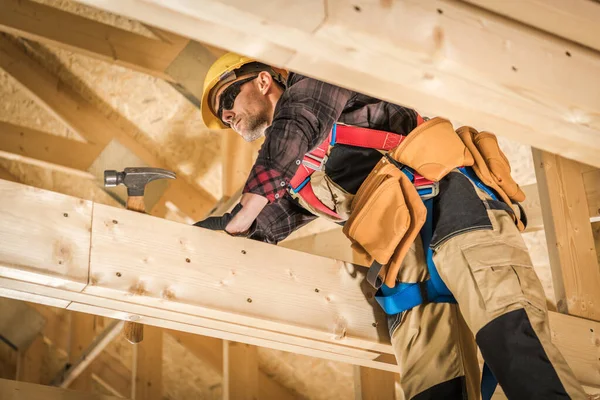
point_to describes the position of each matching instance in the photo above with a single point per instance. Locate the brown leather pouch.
(418, 214)
(433, 150)
(492, 166)
(380, 216)
(498, 164)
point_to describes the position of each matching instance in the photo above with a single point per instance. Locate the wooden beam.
(7, 176)
(88, 356)
(465, 64)
(108, 371)
(110, 262)
(51, 26)
(210, 350)
(84, 118)
(240, 371)
(373, 384)
(111, 374)
(578, 18)
(31, 361)
(20, 324)
(13, 390)
(82, 334)
(591, 183)
(573, 257)
(147, 366)
(49, 151)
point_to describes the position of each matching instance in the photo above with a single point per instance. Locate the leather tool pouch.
(380, 216)
(387, 212)
(493, 168)
(433, 150)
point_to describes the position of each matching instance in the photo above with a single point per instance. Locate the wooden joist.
(49, 25)
(214, 284)
(147, 365)
(49, 151)
(373, 384)
(240, 371)
(443, 58)
(573, 257)
(578, 18)
(13, 390)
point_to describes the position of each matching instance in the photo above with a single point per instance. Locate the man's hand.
(252, 206)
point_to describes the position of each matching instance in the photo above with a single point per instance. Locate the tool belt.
(388, 211)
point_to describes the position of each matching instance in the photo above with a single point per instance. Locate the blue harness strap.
(405, 296)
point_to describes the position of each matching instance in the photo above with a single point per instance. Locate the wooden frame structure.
(463, 60)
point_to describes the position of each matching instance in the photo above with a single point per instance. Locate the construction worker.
(452, 269)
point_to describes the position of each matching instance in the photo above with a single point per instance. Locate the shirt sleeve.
(302, 120)
(278, 220)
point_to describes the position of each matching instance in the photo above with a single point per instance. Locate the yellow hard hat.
(225, 69)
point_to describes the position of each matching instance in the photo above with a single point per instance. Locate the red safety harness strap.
(348, 135)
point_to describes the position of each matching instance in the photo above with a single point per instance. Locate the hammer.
(136, 180)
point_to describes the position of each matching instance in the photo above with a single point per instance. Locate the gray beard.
(256, 128)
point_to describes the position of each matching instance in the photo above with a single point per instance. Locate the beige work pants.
(501, 303)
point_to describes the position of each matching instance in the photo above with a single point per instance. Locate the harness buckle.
(429, 191)
(320, 160)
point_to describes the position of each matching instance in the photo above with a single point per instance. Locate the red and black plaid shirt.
(303, 118)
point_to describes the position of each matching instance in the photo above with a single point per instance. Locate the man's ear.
(265, 81)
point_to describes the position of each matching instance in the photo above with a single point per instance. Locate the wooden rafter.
(49, 25)
(578, 18)
(50, 151)
(573, 256)
(214, 284)
(464, 64)
(14, 390)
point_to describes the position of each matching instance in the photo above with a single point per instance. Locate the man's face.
(243, 105)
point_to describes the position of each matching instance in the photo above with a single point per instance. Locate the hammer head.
(135, 178)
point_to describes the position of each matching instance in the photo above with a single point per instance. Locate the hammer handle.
(134, 332)
(136, 203)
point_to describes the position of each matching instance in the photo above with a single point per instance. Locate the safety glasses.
(228, 96)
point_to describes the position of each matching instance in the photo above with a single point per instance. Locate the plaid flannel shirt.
(303, 118)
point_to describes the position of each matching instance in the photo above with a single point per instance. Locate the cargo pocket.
(379, 219)
(504, 276)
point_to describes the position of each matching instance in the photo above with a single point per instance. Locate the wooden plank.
(31, 361)
(49, 25)
(51, 149)
(85, 358)
(57, 249)
(464, 63)
(19, 323)
(210, 350)
(13, 390)
(7, 176)
(579, 18)
(111, 374)
(240, 371)
(81, 335)
(147, 365)
(373, 384)
(573, 257)
(210, 294)
(580, 344)
(591, 183)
